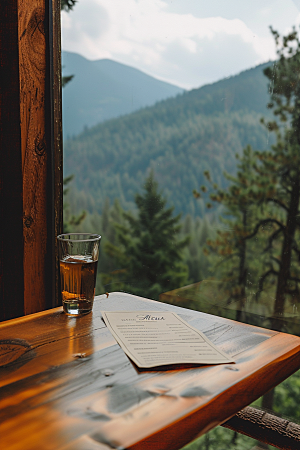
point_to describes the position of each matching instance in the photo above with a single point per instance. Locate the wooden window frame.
(30, 155)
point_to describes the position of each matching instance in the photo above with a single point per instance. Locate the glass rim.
(93, 238)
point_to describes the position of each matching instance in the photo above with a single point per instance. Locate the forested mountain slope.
(178, 138)
(105, 89)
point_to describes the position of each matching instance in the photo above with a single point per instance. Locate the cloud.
(297, 4)
(215, 59)
(84, 27)
(180, 48)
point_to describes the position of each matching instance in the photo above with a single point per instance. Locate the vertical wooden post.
(11, 185)
(57, 134)
(30, 168)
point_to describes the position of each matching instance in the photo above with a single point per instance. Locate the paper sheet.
(152, 339)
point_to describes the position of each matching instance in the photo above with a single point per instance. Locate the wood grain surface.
(66, 384)
(32, 54)
(57, 204)
(30, 156)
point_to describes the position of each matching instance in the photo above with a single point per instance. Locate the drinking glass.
(78, 258)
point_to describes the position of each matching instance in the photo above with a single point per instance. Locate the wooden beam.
(11, 185)
(35, 162)
(35, 150)
(57, 142)
(266, 428)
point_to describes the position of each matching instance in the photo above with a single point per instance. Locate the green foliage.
(280, 168)
(67, 5)
(66, 79)
(260, 236)
(221, 439)
(105, 89)
(149, 252)
(199, 231)
(230, 254)
(193, 257)
(104, 225)
(286, 398)
(262, 202)
(178, 138)
(71, 221)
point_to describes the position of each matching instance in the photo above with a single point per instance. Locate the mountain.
(104, 89)
(178, 138)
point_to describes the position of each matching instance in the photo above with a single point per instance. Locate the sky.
(188, 43)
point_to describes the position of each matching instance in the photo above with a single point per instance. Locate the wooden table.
(66, 385)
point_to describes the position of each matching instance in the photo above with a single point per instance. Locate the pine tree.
(149, 254)
(199, 230)
(269, 189)
(70, 220)
(280, 168)
(239, 212)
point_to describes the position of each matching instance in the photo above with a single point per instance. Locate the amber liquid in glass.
(78, 280)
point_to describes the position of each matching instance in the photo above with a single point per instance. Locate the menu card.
(152, 338)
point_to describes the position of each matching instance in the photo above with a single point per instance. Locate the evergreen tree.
(149, 253)
(239, 202)
(199, 231)
(70, 221)
(280, 168)
(113, 158)
(268, 188)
